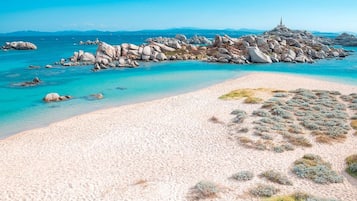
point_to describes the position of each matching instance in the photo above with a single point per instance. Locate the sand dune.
(158, 150)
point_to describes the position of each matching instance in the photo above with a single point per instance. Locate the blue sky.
(116, 15)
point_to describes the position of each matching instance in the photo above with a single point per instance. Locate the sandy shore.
(158, 150)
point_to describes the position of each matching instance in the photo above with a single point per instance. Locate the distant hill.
(174, 31)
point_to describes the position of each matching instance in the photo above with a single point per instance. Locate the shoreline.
(168, 95)
(166, 143)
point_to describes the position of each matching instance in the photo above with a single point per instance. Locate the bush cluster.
(351, 162)
(314, 168)
(276, 177)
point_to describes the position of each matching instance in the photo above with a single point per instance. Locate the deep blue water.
(23, 108)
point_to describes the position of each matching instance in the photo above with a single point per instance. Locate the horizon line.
(164, 29)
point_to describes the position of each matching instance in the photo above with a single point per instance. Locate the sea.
(22, 108)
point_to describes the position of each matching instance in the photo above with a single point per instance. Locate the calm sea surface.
(23, 108)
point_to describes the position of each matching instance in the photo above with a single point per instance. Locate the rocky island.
(278, 45)
(346, 39)
(19, 45)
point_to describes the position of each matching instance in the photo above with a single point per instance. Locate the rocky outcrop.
(34, 82)
(90, 42)
(346, 39)
(278, 45)
(19, 45)
(181, 40)
(55, 97)
(257, 56)
(79, 58)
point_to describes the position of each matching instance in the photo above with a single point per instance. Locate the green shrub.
(314, 168)
(264, 190)
(240, 116)
(298, 196)
(243, 176)
(205, 189)
(276, 177)
(351, 162)
(261, 113)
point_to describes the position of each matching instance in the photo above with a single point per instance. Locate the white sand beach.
(159, 150)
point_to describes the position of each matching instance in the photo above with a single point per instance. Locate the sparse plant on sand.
(263, 190)
(299, 196)
(243, 176)
(204, 190)
(354, 124)
(247, 94)
(312, 167)
(240, 116)
(351, 162)
(276, 177)
(215, 120)
(253, 100)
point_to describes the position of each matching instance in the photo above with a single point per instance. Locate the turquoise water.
(23, 108)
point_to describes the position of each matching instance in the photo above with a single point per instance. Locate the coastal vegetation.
(299, 196)
(250, 96)
(312, 167)
(263, 190)
(276, 177)
(243, 176)
(351, 162)
(284, 121)
(204, 190)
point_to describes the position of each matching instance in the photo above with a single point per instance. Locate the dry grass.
(215, 120)
(323, 139)
(354, 124)
(253, 100)
(245, 140)
(298, 196)
(141, 182)
(298, 140)
(250, 95)
(351, 162)
(238, 94)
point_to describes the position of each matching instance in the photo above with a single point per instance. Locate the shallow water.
(23, 108)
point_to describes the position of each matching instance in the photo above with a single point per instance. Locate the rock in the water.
(87, 57)
(35, 81)
(346, 39)
(98, 96)
(54, 97)
(105, 51)
(257, 56)
(19, 45)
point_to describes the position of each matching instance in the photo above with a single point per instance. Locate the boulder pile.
(278, 45)
(19, 45)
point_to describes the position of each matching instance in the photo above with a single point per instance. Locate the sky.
(120, 15)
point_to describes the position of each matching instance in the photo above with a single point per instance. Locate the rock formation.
(278, 45)
(346, 39)
(35, 81)
(257, 56)
(55, 97)
(89, 42)
(19, 45)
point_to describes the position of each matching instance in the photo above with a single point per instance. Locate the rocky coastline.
(278, 45)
